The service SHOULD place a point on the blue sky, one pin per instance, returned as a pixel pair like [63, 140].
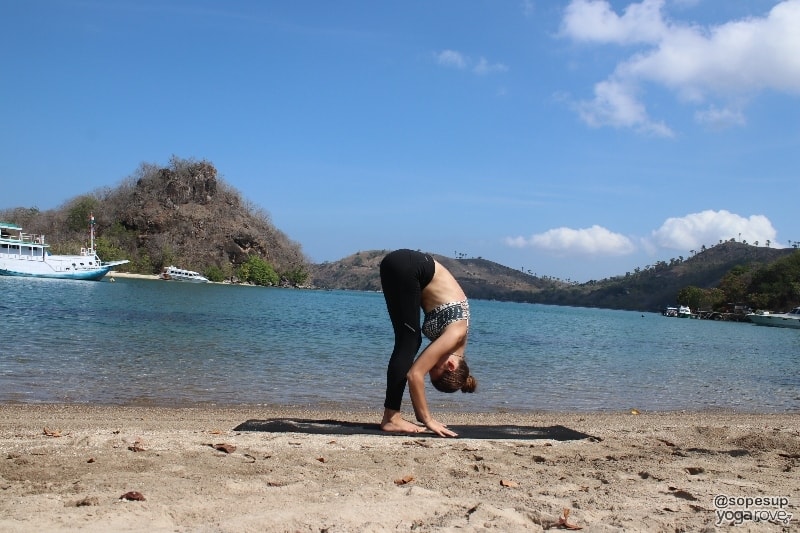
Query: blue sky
[578, 139]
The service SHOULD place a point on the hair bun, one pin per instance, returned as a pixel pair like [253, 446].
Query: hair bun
[470, 385]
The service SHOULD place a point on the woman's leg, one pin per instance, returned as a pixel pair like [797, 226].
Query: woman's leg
[401, 289]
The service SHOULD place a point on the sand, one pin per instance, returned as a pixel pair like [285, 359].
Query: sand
[115, 274]
[64, 468]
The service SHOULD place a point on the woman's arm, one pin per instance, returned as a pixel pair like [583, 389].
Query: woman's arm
[452, 339]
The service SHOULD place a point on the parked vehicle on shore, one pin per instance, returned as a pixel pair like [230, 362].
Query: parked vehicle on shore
[178, 274]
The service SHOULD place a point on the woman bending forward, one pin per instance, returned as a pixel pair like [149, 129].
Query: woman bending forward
[412, 281]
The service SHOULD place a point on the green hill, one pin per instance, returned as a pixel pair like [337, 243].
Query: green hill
[655, 287]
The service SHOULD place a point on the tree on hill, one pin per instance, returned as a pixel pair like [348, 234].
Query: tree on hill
[774, 285]
[777, 285]
[735, 283]
[701, 299]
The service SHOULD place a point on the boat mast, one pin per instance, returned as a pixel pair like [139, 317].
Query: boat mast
[91, 234]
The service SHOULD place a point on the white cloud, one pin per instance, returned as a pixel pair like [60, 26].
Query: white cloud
[690, 232]
[528, 8]
[455, 59]
[451, 58]
[728, 62]
[595, 240]
[484, 67]
[709, 227]
[615, 104]
[720, 118]
[596, 21]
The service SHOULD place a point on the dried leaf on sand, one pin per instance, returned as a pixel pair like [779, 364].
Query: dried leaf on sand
[224, 447]
[563, 523]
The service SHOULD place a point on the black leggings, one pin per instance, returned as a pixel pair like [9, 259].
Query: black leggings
[404, 273]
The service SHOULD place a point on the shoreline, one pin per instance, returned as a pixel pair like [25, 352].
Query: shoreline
[360, 410]
[115, 274]
[65, 467]
[155, 277]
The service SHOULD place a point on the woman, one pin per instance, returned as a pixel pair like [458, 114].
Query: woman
[413, 280]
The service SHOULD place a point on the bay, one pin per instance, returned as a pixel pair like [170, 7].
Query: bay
[145, 342]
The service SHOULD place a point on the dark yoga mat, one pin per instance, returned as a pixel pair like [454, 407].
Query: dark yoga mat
[339, 427]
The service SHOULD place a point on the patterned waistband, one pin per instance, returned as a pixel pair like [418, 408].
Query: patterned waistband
[441, 316]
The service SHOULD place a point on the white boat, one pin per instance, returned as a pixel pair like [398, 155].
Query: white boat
[679, 312]
[179, 274]
[25, 254]
[778, 320]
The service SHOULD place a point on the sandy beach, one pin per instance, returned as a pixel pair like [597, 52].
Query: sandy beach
[66, 468]
[114, 274]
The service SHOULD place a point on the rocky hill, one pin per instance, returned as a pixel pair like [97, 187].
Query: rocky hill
[182, 214]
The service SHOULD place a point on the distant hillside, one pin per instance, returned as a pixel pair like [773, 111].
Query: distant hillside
[657, 286]
[182, 214]
[480, 278]
[648, 289]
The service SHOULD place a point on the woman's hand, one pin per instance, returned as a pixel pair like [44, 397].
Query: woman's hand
[439, 428]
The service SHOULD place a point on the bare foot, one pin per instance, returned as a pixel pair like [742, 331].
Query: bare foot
[394, 422]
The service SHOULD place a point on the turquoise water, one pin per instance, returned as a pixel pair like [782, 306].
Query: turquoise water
[166, 343]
